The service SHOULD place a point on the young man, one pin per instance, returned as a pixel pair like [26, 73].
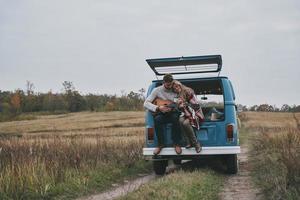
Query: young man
[164, 114]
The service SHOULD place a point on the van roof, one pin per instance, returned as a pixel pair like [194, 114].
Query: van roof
[186, 65]
[194, 79]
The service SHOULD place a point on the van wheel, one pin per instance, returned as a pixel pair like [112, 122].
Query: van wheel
[160, 166]
[177, 161]
[232, 164]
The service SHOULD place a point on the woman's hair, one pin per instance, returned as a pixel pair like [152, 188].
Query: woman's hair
[177, 83]
[185, 91]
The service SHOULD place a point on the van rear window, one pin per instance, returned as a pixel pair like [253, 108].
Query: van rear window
[210, 95]
[211, 98]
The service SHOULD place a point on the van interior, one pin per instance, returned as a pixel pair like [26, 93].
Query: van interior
[210, 96]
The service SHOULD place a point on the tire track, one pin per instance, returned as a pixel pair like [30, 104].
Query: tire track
[240, 186]
[129, 186]
[121, 190]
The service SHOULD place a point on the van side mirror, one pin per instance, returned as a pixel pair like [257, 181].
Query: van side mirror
[203, 98]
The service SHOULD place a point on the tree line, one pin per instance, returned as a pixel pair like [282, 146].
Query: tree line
[14, 103]
[269, 108]
[70, 100]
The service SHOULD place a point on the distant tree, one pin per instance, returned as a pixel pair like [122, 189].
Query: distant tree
[6, 109]
[135, 101]
[15, 103]
[142, 93]
[102, 100]
[271, 108]
[92, 102]
[29, 88]
[244, 108]
[253, 108]
[29, 103]
[275, 108]
[68, 86]
[241, 108]
[4, 98]
[54, 102]
[265, 108]
[109, 106]
[296, 109]
[285, 108]
[123, 93]
[74, 100]
[123, 102]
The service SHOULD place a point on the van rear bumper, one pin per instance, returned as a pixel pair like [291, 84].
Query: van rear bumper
[170, 152]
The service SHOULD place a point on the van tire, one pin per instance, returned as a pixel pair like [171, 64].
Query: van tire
[160, 166]
[232, 164]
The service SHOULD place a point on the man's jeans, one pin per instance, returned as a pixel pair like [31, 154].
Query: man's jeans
[163, 118]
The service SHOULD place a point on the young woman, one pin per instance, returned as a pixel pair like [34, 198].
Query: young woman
[191, 116]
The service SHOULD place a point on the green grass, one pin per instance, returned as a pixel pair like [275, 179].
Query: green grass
[183, 185]
[76, 183]
[97, 180]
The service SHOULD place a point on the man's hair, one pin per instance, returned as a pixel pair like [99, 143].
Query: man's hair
[168, 78]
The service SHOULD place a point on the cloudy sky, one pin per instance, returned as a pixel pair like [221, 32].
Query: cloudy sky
[101, 45]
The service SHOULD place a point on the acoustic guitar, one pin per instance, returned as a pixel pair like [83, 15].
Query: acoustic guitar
[167, 103]
[161, 102]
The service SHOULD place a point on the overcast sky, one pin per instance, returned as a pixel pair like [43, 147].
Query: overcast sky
[101, 45]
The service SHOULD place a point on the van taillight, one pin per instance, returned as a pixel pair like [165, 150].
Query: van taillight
[229, 130]
[150, 132]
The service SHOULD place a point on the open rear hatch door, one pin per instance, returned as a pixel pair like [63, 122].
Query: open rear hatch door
[186, 65]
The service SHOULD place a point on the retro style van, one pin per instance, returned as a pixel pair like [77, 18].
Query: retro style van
[218, 134]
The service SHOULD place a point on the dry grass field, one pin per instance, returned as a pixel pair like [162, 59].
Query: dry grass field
[74, 123]
[69, 155]
[274, 165]
[269, 120]
[275, 152]
[63, 156]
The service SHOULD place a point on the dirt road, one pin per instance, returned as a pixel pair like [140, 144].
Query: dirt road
[236, 187]
[121, 190]
[240, 186]
[128, 186]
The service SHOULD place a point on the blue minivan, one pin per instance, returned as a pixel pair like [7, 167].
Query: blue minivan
[218, 134]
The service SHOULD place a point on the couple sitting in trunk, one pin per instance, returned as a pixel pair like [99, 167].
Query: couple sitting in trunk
[184, 113]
